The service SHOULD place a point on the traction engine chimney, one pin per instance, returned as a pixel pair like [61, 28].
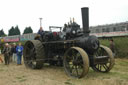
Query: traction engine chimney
[85, 20]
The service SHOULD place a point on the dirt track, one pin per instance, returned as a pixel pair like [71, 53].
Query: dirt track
[20, 75]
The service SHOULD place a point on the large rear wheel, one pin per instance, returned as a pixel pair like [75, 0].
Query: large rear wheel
[33, 54]
[76, 62]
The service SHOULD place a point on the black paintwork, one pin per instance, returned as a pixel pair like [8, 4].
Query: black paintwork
[57, 43]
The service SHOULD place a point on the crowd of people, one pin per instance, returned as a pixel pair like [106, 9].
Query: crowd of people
[12, 53]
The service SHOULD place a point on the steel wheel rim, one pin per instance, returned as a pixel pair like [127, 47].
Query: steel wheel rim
[74, 63]
[106, 66]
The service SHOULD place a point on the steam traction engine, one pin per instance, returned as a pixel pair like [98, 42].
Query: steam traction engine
[72, 48]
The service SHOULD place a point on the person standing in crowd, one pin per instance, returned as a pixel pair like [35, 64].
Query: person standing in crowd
[6, 52]
[14, 56]
[19, 52]
[112, 46]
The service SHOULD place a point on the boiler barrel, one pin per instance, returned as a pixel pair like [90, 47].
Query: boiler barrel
[90, 43]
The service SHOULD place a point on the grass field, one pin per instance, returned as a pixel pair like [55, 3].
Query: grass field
[121, 46]
[49, 75]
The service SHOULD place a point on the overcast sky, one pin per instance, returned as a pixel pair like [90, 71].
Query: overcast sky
[57, 12]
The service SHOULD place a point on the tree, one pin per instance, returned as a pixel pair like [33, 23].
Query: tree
[28, 30]
[14, 31]
[2, 34]
[11, 31]
[17, 31]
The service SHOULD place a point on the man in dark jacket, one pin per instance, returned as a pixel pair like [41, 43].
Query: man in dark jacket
[112, 46]
[6, 52]
[14, 57]
[41, 31]
[40, 34]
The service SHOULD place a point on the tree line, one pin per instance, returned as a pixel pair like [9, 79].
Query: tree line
[15, 31]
